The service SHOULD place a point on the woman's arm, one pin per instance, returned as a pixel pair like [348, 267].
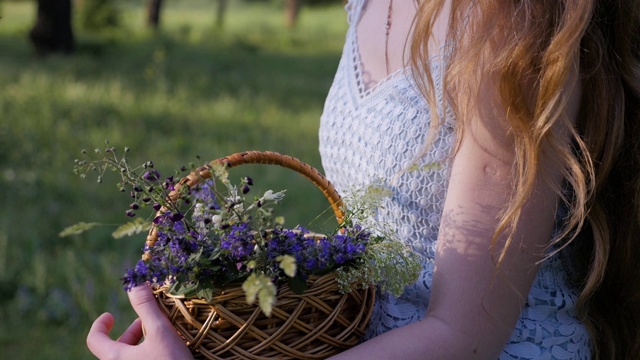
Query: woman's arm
[474, 307]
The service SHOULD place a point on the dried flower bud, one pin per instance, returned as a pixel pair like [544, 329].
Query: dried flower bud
[177, 217]
[151, 175]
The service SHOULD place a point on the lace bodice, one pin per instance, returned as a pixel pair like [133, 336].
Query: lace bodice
[375, 134]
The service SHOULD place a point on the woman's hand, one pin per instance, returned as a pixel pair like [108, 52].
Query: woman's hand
[161, 340]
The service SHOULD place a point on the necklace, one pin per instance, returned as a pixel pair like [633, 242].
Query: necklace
[386, 36]
[387, 28]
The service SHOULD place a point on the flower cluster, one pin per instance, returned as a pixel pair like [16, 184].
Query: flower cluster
[213, 234]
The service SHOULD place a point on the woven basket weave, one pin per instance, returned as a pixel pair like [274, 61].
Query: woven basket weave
[315, 325]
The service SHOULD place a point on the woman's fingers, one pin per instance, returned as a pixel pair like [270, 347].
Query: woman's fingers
[144, 303]
[133, 334]
[98, 340]
[161, 340]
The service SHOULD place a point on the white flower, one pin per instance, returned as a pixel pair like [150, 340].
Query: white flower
[269, 195]
[288, 264]
[260, 286]
[216, 219]
[198, 210]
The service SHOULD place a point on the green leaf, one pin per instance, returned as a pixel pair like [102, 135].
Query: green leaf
[131, 228]
[195, 257]
[180, 288]
[176, 288]
[297, 284]
[205, 292]
[78, 228]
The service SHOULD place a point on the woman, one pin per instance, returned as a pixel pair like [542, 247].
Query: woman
[506, 131]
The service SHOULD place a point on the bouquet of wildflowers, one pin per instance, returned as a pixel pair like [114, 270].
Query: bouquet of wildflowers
[215, 234]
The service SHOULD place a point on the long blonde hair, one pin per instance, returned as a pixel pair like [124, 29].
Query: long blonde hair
[534, 45]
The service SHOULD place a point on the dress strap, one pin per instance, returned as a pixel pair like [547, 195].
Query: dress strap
[354, 10]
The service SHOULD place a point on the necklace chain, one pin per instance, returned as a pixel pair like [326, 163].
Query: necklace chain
[387, 28]
[386, 40]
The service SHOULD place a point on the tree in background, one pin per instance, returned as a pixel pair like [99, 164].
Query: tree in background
[97, 15]
[154, 11]
[293, 10]
[52, 32]
[221, 9]
[154, 8]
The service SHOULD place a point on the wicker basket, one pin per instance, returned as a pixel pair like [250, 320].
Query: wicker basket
[315, 325]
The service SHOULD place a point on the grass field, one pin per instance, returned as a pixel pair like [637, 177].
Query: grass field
[191, 89]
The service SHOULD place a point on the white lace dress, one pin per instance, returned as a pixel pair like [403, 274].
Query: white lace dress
[372, 134]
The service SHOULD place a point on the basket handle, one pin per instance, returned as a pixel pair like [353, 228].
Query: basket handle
[256, 157]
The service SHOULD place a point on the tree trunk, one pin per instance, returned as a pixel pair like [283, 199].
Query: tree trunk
[154, 8]
[220, 11]
[52, 32]
[293, 10]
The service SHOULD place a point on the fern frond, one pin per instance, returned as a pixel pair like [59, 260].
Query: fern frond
[131, 228]
[78, 228]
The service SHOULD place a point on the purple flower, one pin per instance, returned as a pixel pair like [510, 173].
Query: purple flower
[136, 276]
[340, 259]
[179, 228]
[311, 264]
[169, 183]
[176, 249]
[176, 217]
[238, 240]
[160, 219]
[151, 175]
[205, 193]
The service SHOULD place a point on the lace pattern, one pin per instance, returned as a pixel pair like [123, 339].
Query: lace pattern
[376, 134]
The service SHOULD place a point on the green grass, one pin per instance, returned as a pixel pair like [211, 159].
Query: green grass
[191, 89]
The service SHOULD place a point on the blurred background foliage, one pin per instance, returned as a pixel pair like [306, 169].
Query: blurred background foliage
[189, 87]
